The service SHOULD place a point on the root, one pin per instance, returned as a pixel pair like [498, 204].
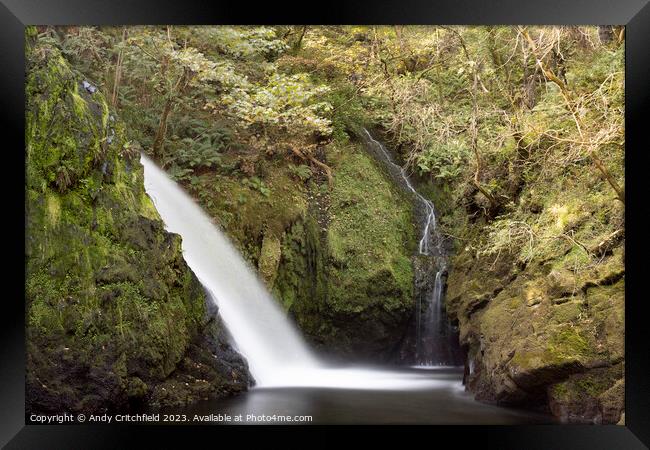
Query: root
[309, 157]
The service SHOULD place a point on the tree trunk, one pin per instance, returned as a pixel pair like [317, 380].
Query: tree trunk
[620, 193]
[474, 141]
[296, 45]
[118, 72]
[162, 129]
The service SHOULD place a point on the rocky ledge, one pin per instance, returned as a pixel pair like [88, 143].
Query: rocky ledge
[538, 336]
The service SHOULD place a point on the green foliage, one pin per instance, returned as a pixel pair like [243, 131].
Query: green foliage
[253, 110]
[302, 172]
[446, 161]
[248, 119]
[285, 102]
[237, 42]
[86, 49]
[257, 184]
[348, 112]
[201, 154]
[169, 80]
[178, 173]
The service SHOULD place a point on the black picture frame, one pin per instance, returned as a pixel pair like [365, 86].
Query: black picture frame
[15, 14]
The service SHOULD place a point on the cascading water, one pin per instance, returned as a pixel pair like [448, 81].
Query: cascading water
[434, 340]
[276, 353]
[262, 332]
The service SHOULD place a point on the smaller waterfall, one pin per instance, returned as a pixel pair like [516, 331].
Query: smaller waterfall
[429, 217]
[433, 345]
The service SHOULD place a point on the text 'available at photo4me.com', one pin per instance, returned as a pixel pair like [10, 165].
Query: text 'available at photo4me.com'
[64, 418]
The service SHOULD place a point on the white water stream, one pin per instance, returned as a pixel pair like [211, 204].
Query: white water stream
[431, 324]
[429, 228]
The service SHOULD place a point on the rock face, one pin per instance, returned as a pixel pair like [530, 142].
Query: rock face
[541, 336]
[345, 272]
[115, 318]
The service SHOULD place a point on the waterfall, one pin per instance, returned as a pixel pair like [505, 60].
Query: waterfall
[261, 330]
[432, 346]
[432, 350]
[276, 353]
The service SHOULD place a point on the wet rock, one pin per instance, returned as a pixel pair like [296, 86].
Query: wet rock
[595, 396]
[89, 87]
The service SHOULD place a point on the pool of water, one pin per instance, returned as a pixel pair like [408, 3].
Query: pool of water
[409, 396]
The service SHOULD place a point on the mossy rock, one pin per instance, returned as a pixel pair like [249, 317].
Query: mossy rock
[269, 258]
[547, 307]
[345, 273]
[112, 308]
[596, 396]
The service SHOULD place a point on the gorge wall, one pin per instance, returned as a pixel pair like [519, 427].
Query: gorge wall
[542, 318]
[115, 318]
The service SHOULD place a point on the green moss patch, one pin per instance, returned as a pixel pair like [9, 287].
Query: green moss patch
[370, 237]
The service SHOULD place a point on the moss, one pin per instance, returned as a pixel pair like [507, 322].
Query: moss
[370, 235]
[350, 259]
[53, 209]
[543, 252]
[567, 312]
[244, 211]
[560, 390]
[62, 151]
[136, 387]
[593, 386]
[301, 283]
[325, 253]
[80, 107]
[594, 396]
[269, 258]
[345, 272]
[568, 343]
[112, 308]
[147, 207]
